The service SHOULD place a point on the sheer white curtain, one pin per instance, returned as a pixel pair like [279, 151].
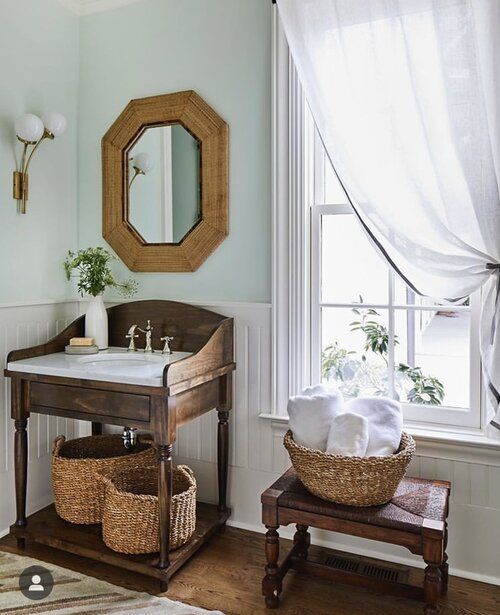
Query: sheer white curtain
[396, 90]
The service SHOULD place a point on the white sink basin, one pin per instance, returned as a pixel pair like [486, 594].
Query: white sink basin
[136, 364]
[112, 365]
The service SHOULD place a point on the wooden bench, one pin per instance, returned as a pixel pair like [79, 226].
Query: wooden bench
[415, 518]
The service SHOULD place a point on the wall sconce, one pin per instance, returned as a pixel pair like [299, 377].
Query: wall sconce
[142, 164]
[31, 131]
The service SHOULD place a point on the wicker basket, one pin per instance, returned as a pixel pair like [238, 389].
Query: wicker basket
[76, 467]
[354, 481]
[130, 522]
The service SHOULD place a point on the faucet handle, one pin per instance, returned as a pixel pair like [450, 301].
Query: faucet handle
[132, 337]
[166, 348]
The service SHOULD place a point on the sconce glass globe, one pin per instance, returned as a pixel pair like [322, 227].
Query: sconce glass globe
[143, 162]
[55, 123]
[29, 127]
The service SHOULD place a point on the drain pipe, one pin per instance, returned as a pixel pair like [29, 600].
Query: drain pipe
[129, 438]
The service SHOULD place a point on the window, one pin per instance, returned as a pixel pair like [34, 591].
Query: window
[333, 293]
[370, 333]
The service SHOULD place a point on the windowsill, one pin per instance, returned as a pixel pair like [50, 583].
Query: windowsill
[464, 446]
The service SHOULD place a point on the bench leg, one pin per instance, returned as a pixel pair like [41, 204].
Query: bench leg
[432, 588]
[302, 538]
[444, 565]
[271, 584]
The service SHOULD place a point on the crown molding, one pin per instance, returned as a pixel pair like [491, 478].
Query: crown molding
[86, 7]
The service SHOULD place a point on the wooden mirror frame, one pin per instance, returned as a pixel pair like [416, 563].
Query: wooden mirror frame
[210, 130]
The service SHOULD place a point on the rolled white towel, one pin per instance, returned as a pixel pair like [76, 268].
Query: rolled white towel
[311, 417]
[349, 435]
[321, 389]
[385, 423]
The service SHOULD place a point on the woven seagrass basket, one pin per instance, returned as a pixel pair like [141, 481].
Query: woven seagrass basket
[76, 467]
[354, 481]
[130, 522]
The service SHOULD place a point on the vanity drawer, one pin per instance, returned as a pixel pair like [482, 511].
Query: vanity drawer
[90, 402]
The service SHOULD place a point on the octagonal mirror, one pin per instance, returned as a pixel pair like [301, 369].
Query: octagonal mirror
[165, 183]
[164, 192]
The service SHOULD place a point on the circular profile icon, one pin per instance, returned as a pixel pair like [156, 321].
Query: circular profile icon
[36, 582]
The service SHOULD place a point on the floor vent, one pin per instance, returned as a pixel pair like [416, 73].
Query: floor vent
[380, 573]
[341, 563]
[370, 570]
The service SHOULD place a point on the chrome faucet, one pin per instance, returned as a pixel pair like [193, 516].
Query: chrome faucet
[149, 332]
[131, 335]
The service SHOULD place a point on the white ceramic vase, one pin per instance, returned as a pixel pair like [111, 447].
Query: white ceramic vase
[96, 322]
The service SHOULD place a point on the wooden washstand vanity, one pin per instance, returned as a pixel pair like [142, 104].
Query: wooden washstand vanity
[186, 389]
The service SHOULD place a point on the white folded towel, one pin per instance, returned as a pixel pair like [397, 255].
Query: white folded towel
[385, 423]
[311, 417]
[349, 435]
[320, 389]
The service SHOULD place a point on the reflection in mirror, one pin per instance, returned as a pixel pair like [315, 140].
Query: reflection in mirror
[164, 184]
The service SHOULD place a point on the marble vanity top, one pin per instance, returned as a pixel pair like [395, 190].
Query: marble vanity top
[111, 365]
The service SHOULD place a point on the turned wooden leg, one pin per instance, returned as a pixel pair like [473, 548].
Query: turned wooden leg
[163, 586]
[164, 500]
[96, 429]
[444, 565]
[222, 457]
[302, 538]
[432, 589]
[21, 470]
[271, 584]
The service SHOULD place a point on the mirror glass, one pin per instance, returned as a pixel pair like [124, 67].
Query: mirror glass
[164, 190]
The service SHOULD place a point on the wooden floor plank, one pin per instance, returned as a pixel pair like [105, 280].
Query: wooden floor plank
[226, 574]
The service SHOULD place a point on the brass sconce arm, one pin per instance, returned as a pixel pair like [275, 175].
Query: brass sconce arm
[136, 173]
[31, 131]
[20, 185]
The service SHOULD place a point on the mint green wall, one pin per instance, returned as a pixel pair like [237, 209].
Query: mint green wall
[221, 49]
[39, 55]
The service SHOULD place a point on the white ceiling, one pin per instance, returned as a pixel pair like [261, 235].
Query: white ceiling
[85, 7]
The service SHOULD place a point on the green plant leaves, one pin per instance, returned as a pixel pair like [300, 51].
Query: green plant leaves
[91, 268]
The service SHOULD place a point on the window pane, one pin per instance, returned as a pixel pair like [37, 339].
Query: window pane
[327, 188]
[350, 265]
[346, 360]
[439, 344]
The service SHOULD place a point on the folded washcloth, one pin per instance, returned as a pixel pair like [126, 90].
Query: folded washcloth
[311, 417]
[349, 434]
[385, 423]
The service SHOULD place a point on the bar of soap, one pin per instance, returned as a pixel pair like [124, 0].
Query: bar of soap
[81, 341]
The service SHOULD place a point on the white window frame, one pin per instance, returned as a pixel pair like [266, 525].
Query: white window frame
[415, 414]
[296, 333]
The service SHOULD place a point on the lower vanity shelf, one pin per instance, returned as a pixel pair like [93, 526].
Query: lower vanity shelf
[46, 527]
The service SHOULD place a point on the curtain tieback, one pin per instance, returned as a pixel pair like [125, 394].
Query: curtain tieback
[494, 268]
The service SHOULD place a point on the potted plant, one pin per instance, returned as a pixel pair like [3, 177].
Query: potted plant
[91, 268]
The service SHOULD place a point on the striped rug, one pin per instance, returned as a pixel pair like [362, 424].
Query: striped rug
[76, 593]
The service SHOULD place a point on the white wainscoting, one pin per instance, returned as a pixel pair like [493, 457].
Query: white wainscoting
[257, 453]
[22, 326]
[258, 457]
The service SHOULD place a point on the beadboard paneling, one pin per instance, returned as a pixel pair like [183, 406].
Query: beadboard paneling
[22, 326]
[257, 452]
